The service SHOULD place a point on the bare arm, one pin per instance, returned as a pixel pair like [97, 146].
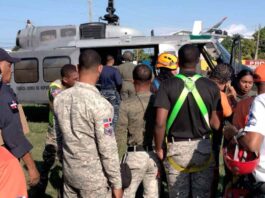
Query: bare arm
[160, 128]
[33, 172]
[215, 120]
[117, 193]
[254, 128]
[251, 141]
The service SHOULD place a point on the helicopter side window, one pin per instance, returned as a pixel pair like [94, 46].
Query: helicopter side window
[212, 51]
[68, 32]
[48, 35]
[52, 67]
[142, 55]
[26, 71]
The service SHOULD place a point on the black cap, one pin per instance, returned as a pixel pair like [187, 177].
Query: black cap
[4, 56]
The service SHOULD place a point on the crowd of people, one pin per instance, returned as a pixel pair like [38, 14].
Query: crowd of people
[172, 131]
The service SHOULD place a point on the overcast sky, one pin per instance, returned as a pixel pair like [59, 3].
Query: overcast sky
[164, 16]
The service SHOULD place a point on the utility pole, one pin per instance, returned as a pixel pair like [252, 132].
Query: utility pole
[257, 44]
[90, 11]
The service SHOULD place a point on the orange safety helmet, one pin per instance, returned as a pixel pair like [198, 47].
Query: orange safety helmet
[167, 60]
[239, 161]
[259, 75]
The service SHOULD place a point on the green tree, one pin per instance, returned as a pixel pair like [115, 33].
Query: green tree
[227, 43]
[141, 55]
[261, 53]
[247, 47]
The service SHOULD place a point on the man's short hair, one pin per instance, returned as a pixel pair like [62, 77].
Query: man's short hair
[222, 73]
[188, 55]
[89, 59]
[127, 56]
[109, 58]
[142, 73]
[67, 69]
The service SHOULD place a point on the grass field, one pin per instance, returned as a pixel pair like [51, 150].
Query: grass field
[37, 138]
[38, 123]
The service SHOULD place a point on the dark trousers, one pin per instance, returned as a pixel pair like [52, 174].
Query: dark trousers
[114, 98]
[49, 155]
[247, 182]
[257, 188]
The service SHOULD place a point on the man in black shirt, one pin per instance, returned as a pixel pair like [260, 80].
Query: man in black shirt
[188, 159]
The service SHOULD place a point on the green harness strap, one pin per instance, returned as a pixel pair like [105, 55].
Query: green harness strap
[189, 87]
[58, 85]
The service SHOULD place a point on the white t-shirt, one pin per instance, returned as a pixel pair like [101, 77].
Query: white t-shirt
[256, 123]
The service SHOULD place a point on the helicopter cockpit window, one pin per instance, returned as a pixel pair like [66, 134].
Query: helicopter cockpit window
[212, 51]
[26, 71]
[48, 35]
[52, 67]
[210, 56]
[68, 32]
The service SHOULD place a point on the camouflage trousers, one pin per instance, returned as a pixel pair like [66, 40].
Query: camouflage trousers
[71, 192]
[127, 90]
[145, 168]
[50, 150]
[188, 154]
[49, 156]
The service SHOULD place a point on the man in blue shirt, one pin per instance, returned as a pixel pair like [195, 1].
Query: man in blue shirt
[110, 85]
[10, 124]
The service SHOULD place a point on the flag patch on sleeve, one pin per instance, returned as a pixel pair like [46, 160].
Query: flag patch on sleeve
[13, 106]
[55, 92]
[108, 129]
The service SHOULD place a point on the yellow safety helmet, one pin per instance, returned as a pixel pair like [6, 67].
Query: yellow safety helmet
[167, 60]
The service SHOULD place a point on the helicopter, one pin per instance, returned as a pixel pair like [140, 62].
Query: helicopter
[43, 50]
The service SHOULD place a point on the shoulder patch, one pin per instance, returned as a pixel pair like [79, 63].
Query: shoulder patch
[55, 92]
[13, 106]
[108, 128]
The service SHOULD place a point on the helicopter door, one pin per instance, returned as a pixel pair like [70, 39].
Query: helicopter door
[142, 54]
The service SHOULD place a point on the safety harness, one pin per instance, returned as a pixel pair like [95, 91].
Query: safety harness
[189, 87]
[59, 85]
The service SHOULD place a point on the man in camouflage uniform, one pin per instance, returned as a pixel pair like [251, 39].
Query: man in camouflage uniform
[90, 155]
[136, 117]
[126, 70]
[69, 76]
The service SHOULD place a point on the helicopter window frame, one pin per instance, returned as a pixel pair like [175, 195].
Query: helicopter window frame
[207, 57]
[65, 31]
[49, 67]
[48, 35]
[35, 68]
[212, 51]
[116, 51]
